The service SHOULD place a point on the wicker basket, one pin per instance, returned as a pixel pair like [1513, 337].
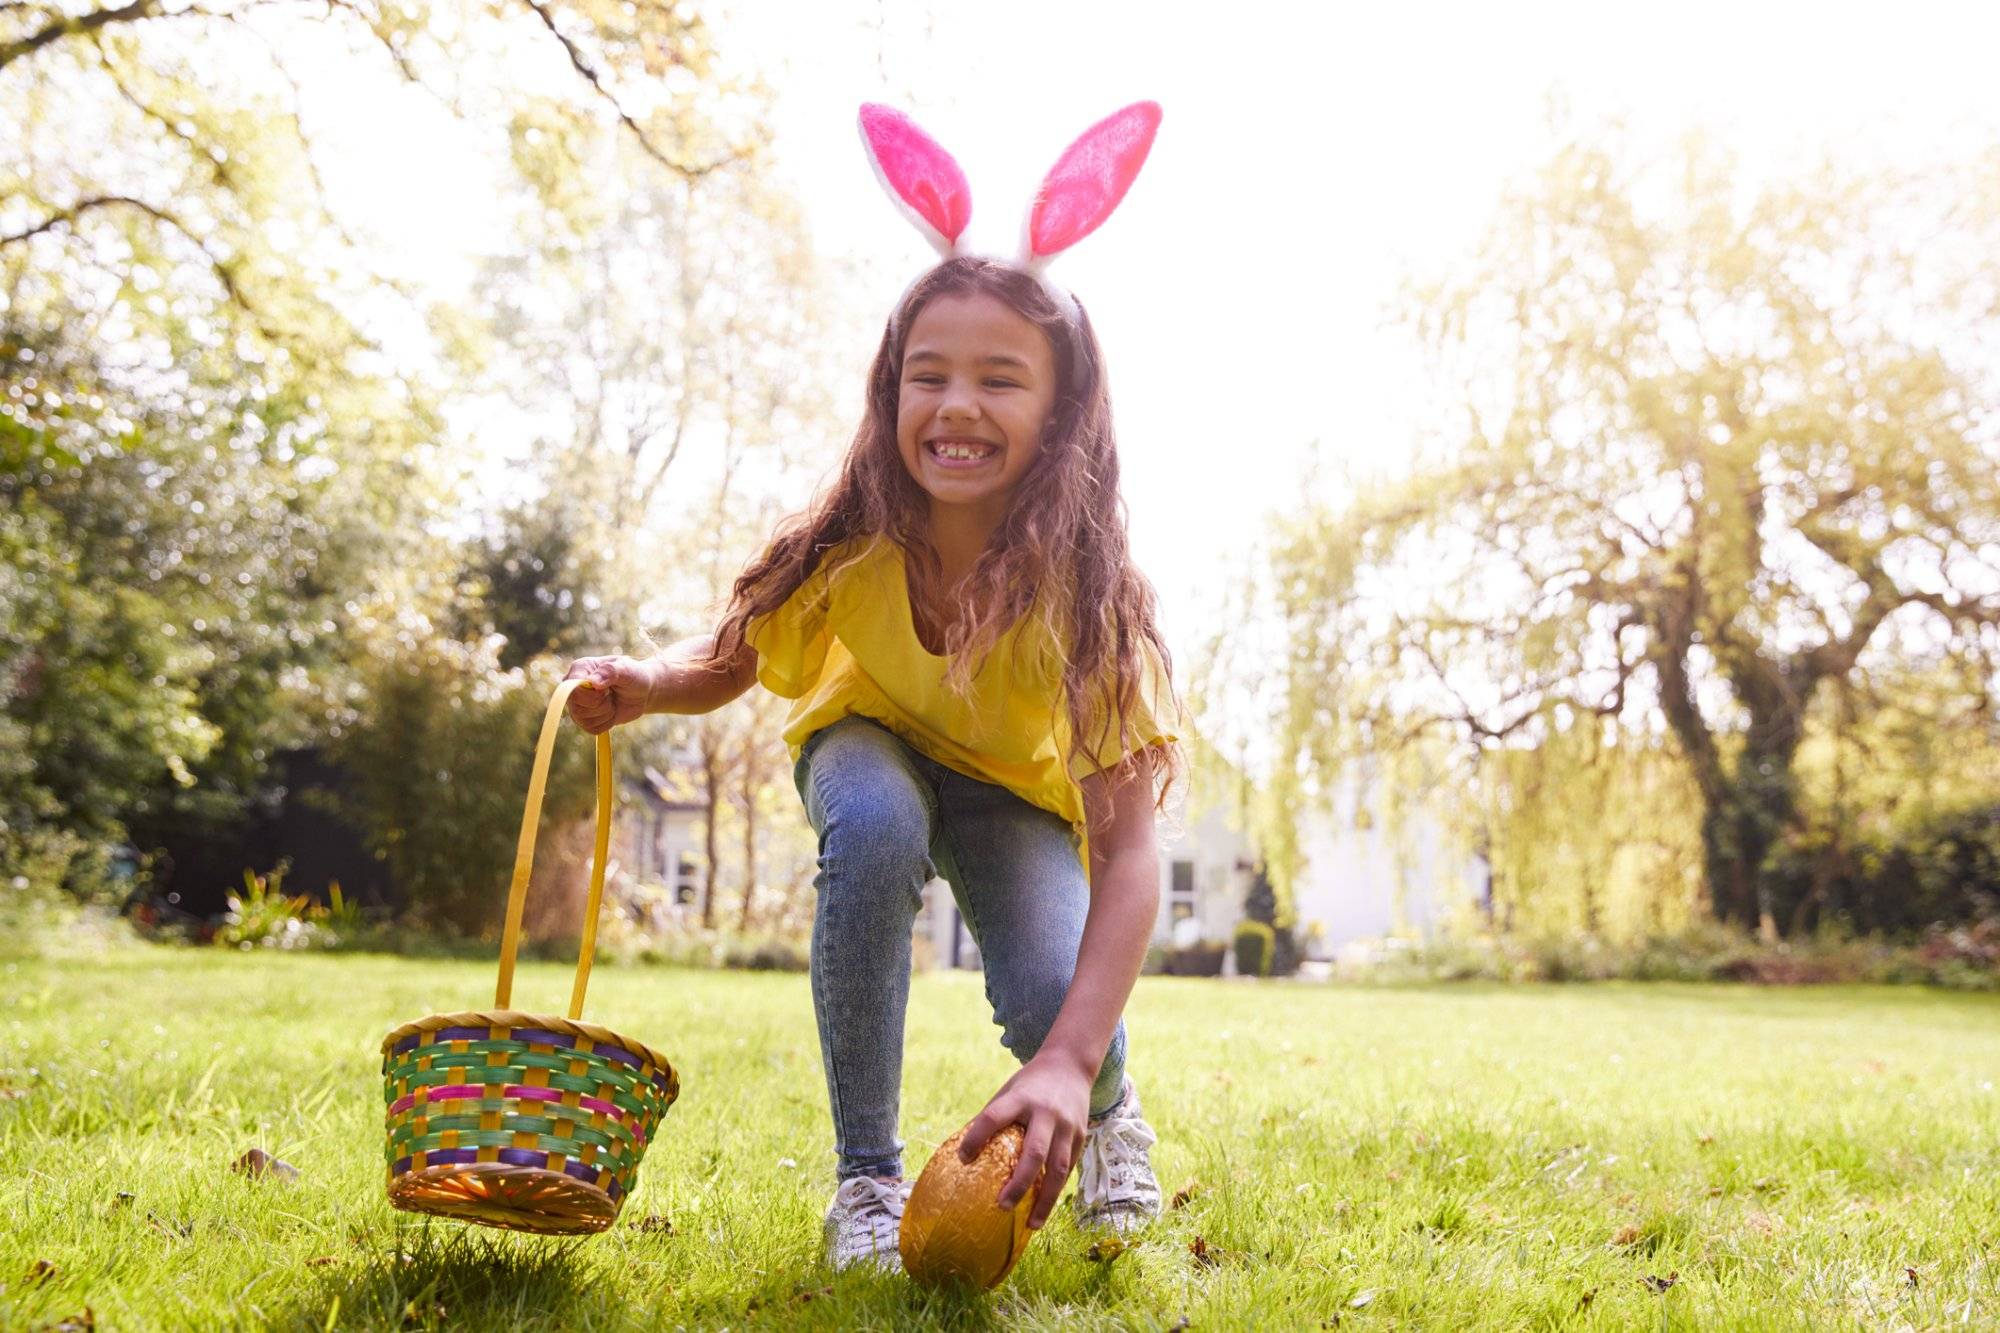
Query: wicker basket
[519, 1120]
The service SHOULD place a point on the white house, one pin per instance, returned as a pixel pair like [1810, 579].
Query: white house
[1362, 881]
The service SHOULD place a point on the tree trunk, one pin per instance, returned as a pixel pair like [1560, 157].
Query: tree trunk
[1741, 829]
[749, 834]
[711, 775]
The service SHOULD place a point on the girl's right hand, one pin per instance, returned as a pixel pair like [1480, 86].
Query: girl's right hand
[617, 691]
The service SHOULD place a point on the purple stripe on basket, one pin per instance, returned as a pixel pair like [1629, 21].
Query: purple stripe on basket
[464, 1034]
[540, 1037]
[581, 1171]
[613, 1188]
[408, 1043]
[451, 1156]
[660, 1080]
[524, 1157]
[402, 1165]
[622, 1056]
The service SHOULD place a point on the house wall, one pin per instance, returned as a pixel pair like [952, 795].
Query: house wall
[1364, 879]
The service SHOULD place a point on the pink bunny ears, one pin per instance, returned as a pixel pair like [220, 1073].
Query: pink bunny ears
[1079, 193]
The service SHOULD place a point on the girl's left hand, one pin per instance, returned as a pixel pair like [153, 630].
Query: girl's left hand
[1050, 1098]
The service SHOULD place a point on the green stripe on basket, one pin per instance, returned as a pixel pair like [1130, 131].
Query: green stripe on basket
[517, 1124]
[496, 1138]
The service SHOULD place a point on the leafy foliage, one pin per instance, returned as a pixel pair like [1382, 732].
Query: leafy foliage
[1707, 456]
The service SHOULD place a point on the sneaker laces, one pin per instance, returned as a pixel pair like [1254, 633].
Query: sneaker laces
[1115, 1169]
[872, 1208]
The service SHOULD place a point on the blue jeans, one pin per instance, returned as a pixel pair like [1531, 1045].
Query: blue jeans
[889, 820]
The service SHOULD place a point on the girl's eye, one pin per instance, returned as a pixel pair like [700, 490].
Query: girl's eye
[927, 379]
[1001, 384]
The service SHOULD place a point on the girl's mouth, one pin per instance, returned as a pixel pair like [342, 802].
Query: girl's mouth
[961, 454]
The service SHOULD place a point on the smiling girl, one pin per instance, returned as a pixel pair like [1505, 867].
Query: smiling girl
[981, 692]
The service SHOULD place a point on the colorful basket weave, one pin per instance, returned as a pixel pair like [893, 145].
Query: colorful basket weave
[522, 1120]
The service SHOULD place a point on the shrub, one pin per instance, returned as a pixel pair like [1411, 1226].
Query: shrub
[262, 916]
[1254, 944]
[440, 750]
[1196, 960]
[1940, 869]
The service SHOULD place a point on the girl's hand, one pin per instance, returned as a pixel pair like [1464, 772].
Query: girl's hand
[617, 692]
[1051, 1099]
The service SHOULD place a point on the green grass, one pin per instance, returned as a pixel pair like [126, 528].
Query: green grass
[1442, 1158]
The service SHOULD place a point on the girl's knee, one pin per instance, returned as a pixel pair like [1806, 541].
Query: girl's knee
[868, 807]
[1028, 1011]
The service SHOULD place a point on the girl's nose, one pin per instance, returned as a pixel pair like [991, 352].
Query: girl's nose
[959, 403]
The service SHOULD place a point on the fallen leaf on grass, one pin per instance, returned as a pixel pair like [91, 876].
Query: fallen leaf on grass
[1178, 1324]
[1203, 1256]
[1105, 1249]
[8, 1094]
[1660, 1284]
[1583, 1301]
[1910, 1276]
[653, 1222]
[1768, 1185]
[84, 1321]
[257, 1163]
[811, 1294]
[1185, 1193]
[41, 1271]
[1705, 1140]
[322, 1261]
[1361, 1299]
[1626, 1234]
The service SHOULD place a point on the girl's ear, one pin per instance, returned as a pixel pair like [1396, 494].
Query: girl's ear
[1089, 180]
[920, 176]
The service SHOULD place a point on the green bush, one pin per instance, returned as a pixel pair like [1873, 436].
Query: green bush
[1254, 945]
[1196, 960]
[263, 916]
[440, 751]
[1941, 869]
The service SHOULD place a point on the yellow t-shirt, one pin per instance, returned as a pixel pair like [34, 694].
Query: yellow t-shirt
[845, 643]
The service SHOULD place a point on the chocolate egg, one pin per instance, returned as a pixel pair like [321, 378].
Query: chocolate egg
[954, 1230]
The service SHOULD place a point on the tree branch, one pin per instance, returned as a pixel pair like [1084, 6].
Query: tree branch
[68, 27]
[686, 170]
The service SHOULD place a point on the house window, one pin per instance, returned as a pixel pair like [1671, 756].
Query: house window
[684, 881]
[1180, 892]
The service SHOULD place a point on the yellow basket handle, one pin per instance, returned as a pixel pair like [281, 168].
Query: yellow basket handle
[524, 856]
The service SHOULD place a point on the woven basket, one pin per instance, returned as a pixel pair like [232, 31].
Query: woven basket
[520, 1120]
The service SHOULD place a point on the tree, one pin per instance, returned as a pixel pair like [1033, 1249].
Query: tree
[1709, 453]
[207, 455]
[668, 340]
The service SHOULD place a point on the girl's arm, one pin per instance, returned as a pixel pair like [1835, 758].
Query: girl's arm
[677, 681]
[1050, 1095]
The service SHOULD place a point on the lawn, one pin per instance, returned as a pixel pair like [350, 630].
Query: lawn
[1589, 1157]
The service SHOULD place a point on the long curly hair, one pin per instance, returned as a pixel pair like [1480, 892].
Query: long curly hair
[1060, 553]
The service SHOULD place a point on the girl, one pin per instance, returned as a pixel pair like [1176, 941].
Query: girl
[981, 692]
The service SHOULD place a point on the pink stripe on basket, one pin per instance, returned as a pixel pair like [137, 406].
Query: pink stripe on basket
[477, 1092]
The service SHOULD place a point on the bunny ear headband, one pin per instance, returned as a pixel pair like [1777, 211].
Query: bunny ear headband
[1083, 188]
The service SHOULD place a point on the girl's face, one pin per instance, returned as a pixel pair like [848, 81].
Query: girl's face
[978, 383]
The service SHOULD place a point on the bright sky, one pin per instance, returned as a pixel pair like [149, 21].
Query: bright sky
[1312, 156]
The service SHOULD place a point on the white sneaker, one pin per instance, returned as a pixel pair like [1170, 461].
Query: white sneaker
[1115, 1186]
[863, 1221]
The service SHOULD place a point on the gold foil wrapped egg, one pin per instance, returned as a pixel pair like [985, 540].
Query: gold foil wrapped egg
[953, 1228]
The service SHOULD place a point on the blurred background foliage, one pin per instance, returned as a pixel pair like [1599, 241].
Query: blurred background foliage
[1686, 613]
